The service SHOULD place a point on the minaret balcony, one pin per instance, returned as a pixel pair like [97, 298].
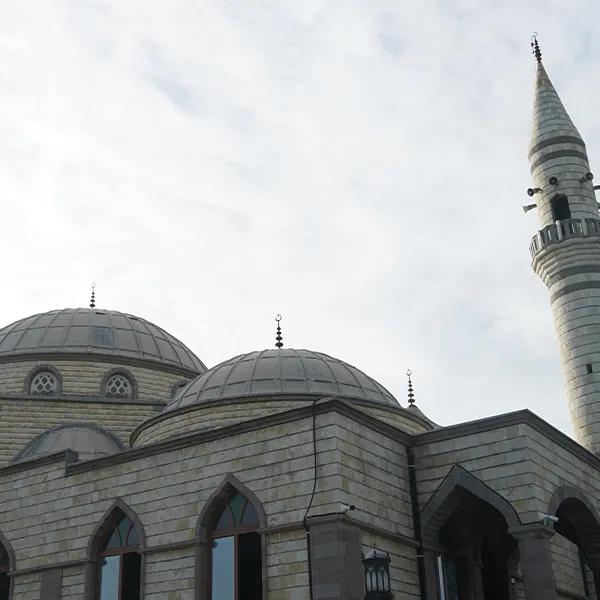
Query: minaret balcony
[563, 230]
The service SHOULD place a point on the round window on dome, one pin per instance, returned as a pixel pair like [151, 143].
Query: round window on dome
[44, 383]
[119, 386]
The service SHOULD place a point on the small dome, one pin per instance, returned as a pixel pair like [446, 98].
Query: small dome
[281, 372]
[89, 441]
[96, 332]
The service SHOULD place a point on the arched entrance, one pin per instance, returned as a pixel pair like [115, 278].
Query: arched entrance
[468, 524]
[579, 524]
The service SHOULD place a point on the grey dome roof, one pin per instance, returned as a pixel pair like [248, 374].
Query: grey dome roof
[280, 372]
[89, 441]
[98, 332]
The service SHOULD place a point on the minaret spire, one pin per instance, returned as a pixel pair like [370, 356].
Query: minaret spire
[566, 249]
[93, 297]
[536, 48]
[557, 156]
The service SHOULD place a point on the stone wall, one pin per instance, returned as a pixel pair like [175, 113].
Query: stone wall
[567, 568]
[85, 377]
[526, 463]
[220, 413]
[49, 516]
[23, 419]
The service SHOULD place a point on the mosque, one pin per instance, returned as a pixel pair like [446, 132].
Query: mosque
[130, 470]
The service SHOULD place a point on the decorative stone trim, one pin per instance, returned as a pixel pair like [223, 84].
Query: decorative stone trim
[564, 230]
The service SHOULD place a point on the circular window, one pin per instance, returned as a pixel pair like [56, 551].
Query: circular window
[44, 383]
[119, 386]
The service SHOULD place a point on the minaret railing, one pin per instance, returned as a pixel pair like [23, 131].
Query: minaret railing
[563, 230]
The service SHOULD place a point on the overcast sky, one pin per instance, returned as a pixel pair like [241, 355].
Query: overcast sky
[358, 166]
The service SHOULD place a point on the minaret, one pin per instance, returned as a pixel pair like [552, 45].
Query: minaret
[566, 250]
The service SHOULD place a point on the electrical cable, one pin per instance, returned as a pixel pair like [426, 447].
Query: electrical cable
[312, 497]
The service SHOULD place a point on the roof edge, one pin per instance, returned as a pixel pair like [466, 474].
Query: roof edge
[103, 357]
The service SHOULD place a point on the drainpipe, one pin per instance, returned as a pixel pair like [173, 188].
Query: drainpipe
[416, 512]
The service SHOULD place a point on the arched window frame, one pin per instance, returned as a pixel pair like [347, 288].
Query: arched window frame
[207, 520]
[36, 371]
[124, 373]
[11, 566]
[99, 538]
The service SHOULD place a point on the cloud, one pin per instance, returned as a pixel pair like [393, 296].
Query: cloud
[358, 167]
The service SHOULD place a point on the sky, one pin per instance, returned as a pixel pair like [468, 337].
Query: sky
[358, 167]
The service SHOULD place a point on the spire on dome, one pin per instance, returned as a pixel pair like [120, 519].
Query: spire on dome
[278, 338]
[93, 298]
[411, 394]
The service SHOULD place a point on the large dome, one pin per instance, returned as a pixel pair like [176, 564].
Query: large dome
[282, 372]
[96, 332]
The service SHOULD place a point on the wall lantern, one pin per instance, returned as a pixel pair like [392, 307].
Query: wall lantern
[377, 575]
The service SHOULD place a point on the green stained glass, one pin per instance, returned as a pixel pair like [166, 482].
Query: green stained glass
[225, 520]
[133, 539]
[123, 527]
[113, 540]
[249, 517]
[237, 505]
[124, 534]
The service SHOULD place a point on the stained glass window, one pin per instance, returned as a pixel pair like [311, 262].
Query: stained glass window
[124, 535]
[119, 561]
[238, 512]
[236, 557]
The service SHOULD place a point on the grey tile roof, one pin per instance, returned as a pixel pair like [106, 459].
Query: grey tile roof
[277, 372]
[89, 441]
[95, 331]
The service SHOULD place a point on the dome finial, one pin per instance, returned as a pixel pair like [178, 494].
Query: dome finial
[93, 298]
[411, 395]
[536, 48]
[278, 338]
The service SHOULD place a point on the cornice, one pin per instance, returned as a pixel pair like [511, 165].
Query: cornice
[308, 398]
[519, 417]
[199, 437]
[84, 399]
[98, 357]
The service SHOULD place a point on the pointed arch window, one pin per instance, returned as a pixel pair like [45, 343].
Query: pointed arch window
[119, 560]
[236, 553]
[4, 578]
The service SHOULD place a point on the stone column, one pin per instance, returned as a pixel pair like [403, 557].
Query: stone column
[336, 559]
[536, 561]
[431, 572]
